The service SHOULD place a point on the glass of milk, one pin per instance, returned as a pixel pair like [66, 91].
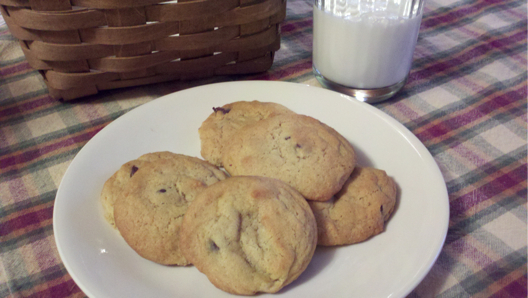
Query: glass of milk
[364, 48]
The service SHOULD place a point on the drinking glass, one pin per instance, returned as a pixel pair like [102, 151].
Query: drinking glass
[364, 48]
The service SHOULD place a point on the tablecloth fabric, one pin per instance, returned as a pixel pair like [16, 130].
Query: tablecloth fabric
[465, 99]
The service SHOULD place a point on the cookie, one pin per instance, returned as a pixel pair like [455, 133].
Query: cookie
[249, 234]
[308, 155]
[116, 184]
[150, 212]
[357, 212]
[225, 121]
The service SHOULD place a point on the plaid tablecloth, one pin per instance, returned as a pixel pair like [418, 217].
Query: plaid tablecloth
[465, 100]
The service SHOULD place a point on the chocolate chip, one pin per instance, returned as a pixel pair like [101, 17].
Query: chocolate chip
[224, 111]
[212, 246]
[134, 170]
[162, 190]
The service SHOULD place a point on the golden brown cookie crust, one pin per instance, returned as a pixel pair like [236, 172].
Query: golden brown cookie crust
[357, 212]
[149, 213]
[225, 121]
[305, 153]
[249, 234]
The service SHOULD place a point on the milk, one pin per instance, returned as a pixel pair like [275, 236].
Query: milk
[368, 50]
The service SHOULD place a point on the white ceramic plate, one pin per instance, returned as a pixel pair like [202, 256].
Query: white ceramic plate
[389, 265]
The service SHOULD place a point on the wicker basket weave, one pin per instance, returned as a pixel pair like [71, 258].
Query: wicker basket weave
[83, 46]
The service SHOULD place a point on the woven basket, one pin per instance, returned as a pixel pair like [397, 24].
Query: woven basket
[83, 46]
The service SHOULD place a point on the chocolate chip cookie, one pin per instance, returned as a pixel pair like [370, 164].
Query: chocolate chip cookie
[225, 121]
[150, 211]
[357, 212]
[116, 184]
[305, 153]
[249, 234]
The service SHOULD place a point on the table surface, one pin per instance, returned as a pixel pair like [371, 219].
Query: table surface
[465, 100]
